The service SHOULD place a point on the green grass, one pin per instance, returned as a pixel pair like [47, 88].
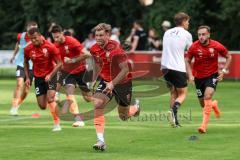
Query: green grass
[147, 137]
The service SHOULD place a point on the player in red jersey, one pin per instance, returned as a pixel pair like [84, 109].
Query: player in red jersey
[21, 91]
[112, 65]
[46, 61]
[73, 56]
[205, 72]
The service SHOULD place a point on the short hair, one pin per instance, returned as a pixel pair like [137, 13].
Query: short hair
[56, 29]
[205, 27]
[31, 24]
[33, 30]
[139, 22]
[180, 17]
[103, 26]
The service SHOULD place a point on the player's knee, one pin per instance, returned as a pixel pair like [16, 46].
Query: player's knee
[50, 99]
[98, 104]
[87, 98]
[42, 107]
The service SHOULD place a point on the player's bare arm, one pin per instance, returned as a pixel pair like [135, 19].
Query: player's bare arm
[225, 68]
[189, 69]
[86, 54]
[26, 70]
[121, 75]
[54, 71]
[15, 52]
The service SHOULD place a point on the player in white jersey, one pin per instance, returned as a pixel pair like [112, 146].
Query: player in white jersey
[175, 42]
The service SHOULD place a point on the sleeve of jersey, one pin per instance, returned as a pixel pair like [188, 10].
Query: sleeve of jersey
[190, 52]
[18, 37]
[222, 50]
[119, 58]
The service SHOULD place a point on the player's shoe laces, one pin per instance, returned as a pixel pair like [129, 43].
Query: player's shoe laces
[100, 146]
[14, 111]
[216, 110]
[56, 128]
[137, 104]
[78, 124]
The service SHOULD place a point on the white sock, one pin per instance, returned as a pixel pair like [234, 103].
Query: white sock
[100, 137]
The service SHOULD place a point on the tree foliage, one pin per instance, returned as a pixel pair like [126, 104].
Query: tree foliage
[223, 16]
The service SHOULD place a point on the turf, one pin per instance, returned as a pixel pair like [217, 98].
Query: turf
[146, 137]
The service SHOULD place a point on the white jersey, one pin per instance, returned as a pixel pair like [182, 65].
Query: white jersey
[175, 42]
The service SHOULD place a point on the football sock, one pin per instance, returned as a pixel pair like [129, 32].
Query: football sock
[206, 113]
[15, 102]
[54, 111]
[99, 122]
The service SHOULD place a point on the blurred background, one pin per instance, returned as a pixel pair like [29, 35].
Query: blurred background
[223, 16]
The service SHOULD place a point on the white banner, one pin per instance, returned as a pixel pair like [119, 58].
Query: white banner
[5, 56]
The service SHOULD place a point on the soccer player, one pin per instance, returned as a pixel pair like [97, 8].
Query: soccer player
[175, 42]
[115, 81]
[21, 91]
[205, 72]
[46, 61]
[73, 55]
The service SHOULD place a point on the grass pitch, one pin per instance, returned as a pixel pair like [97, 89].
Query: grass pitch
[146, 137]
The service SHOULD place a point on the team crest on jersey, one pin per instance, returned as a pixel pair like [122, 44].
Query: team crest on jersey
[45, 52]
[211, 50]
[66, 49]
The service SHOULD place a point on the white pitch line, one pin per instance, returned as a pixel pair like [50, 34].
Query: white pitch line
[14, 119]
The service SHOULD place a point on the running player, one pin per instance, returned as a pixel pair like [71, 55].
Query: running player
[73, 56]
[205, 72]
[46, 61]
[175, 42]
[115, 81]
[21, 91]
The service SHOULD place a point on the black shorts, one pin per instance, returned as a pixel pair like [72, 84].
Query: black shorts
[202, 83]
[175, 78]
[74, 79]
[41, 87]
[121, 92]
[61, 75]
[21, 74]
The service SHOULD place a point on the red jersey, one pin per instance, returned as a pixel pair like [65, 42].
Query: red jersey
[109, 59]
[43, 58]
[71, 48]
[27, 39]
[206, 57]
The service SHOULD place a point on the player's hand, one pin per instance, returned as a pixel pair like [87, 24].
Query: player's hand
[27, 82]
[220, 75]
[48, 78]
[67, 60]
[12, 59]
[109, 88]
[191, 79]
